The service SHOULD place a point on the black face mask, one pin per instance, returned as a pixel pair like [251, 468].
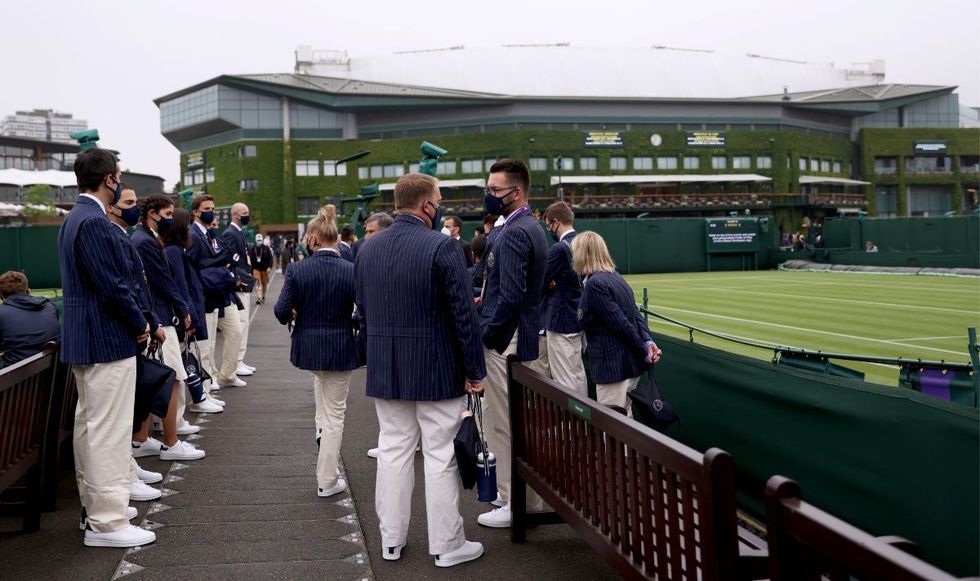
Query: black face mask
[212, 233]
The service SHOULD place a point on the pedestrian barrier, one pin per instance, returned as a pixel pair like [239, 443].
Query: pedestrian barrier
[25, 399]
[806, 543]
[652, 507]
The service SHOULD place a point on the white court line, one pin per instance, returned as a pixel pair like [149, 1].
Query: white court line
[975, 291]
[927, 338]
[854, 301]
[750, 321]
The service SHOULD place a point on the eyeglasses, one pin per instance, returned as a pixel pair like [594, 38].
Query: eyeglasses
[494, 191]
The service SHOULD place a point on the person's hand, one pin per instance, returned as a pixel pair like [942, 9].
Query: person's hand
[191, 331]
[142, 337]
[551, 284]
[187, 321]
[653, 354]
[292, 312]
[159, 336]
[477, 301]
[474, 386]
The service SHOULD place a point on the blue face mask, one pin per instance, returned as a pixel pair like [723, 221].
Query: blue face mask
[130, 215]
[437, 218]
[245, 220]
[212, 233]
[117, 193]
[207, 217]
[495, 205]
[554, 235]
[164, 225]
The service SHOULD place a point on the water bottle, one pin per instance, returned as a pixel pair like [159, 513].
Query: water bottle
[486, 477]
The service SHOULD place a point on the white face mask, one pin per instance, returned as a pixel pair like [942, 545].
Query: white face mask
[445, 231]
[267, 242]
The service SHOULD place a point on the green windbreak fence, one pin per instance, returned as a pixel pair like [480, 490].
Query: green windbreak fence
[888, 460]
[952, 242]
[34, 251]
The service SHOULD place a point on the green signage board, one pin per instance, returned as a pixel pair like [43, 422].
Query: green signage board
[732, 235]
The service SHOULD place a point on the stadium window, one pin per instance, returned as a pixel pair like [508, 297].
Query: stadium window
[248, 185]
[692, 162]
[472, 166]
[362, 172]
[307, 167]
[377, 171]
[837, 167]
[763, 162]
[246, 151]
[719, 162]
[802, 164]
[198, 177]
[307, 206]
[413, 168]
[814, 164]
[825, 165]
[886, 201]
[587, 163]
[666, 163]
[642, 163]
[488, 163]
[394, 170]
[188, 178]
[209, 175]
[567, 163]
[538, 164]
[446, 168]
[886, 165]
[330, 168]
[617, 163]
[741, 162]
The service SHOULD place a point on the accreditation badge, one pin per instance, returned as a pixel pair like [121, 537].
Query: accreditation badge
[581, 314]
[491, 260]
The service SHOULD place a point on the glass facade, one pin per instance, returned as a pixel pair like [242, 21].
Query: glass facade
[921, 165]
[929, 200]
[617, 163]
[886, 198]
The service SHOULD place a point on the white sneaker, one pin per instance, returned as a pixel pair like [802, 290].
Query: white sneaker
[469, 551]
[206, 406]
[212, 385]
[83, 522]
[247, 366]
[142, 492]
[392, 553]
[498, 501]
[498, 518]
[237, 382]
[148, 477]
[151, 447]
[187, 429]
[243, 371]
[128, 536]
[181, 451]
[335, 489]
[373, 453]
[214, 400]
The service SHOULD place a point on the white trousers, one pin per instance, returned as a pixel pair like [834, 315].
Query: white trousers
[496, 422]
[231, 333]
[246, 299]
[330, 389]
[103, 430]
[615, 393]
[402, 423]
[560, 358]
[207, 346]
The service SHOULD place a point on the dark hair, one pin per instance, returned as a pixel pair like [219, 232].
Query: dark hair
[12, 282]
[382, 219]
[198, 200]
[489, 219]
[92, 166]
[457, 223]
[516, 170]
[478, 246]
[126, 186]
[180, 233]
[560, 211]
[346, 233]
[154, 203]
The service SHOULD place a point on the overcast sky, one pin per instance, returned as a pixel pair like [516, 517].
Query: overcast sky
[106, 60]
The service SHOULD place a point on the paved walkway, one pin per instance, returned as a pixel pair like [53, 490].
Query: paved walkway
[249, 510]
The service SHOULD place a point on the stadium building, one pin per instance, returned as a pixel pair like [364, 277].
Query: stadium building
[616, 132]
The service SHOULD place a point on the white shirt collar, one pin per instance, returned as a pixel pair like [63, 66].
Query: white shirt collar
[334, 250]
[120, 227]
[202, 228]
[90, 196]
[514, 213]
[566, 234]
[239, 228]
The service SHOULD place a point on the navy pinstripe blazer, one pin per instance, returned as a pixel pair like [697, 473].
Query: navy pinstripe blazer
[514, 281]
[164, 293]
[136, 278]
[321, 289]
[615, 332]
[234, 238]
[101, 318]
[559, 307]
[189, 285]
[416, 312]
[345, 252]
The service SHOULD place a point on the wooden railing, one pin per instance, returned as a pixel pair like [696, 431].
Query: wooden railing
[651, 506]
[806, 543]
[25, 399]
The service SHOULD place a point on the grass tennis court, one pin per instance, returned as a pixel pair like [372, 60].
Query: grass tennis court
[869, 314]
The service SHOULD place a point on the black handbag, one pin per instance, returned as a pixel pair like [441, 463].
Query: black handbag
[154, 384]
[246, 282]
[469, 442]
[196, 375]
[649, 406]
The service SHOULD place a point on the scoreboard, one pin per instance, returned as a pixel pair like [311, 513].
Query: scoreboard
[732, 235]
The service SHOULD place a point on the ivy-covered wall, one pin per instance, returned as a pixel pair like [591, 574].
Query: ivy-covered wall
[275, 200]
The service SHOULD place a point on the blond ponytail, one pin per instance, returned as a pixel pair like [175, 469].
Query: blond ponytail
[324, 227]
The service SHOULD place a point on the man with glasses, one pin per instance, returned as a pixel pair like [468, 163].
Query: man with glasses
[509, 316]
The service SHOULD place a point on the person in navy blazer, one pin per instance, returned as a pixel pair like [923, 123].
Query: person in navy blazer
[102, 327]
[509, 312]
[619, 344]
[561, 342]
[318, 297]
[234, 239]
[422, 343]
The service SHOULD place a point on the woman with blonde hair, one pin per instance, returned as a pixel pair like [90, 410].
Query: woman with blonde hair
[318, 297]
[619, 344]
